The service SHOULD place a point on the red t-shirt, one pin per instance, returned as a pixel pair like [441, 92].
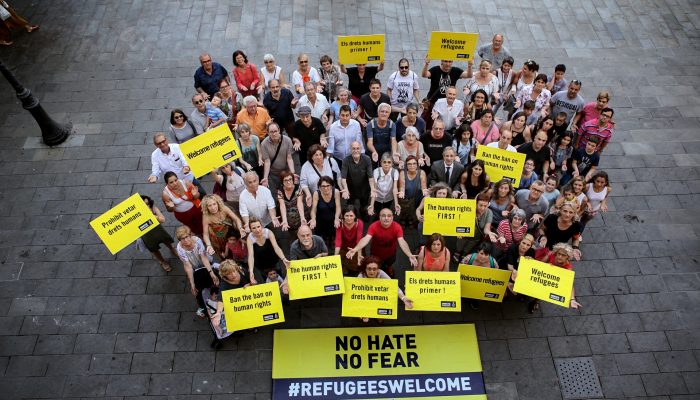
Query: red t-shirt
[384, 240]
[550, 260]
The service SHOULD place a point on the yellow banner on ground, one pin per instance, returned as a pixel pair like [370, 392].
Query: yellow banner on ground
[544, 281]
[501, 163]
[361, 49]
[315, 277]
[124, 223]
[449, 217]
[417, 362]
[252, 306]
[457, 46]
[370, 298]
[483, 283]
[433, 291]
[210, 150]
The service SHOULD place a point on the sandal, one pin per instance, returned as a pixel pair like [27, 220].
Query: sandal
[4, 43]
[166, 266]
[31, 28]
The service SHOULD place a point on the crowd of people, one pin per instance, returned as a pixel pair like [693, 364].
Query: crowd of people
[337, 163]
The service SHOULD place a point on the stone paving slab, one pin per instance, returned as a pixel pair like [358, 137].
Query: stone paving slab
[78, 322]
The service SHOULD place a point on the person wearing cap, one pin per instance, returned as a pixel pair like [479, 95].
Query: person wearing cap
[308, 130]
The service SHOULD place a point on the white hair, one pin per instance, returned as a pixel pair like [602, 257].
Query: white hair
[249, 99]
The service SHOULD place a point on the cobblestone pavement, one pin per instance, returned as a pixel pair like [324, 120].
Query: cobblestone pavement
[77, 322]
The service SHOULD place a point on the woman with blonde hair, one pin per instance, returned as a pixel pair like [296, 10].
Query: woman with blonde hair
[217, 219]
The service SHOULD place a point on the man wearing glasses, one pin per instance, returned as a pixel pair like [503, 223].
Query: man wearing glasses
[533, 203]
[402, 88]
[208, 76]
[168, 157]
[199, 114]
[568, 101]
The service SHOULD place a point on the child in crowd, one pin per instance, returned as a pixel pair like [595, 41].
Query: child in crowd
[567, 197]
[562, 149]
[550, 190]
[529, 175]
[584, 162]
[215, 116]
[557, 83]
[235, 249]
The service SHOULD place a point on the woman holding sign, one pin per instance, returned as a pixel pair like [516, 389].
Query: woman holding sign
[370, 268]
[181, 197]
[560, 256]
[217, 220]
[347, 236]
[482, 227]
[434, 256]
[263, 251]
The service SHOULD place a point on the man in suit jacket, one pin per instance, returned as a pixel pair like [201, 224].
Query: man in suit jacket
[449, 165]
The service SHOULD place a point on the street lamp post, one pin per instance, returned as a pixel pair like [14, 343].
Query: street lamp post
[52, 132]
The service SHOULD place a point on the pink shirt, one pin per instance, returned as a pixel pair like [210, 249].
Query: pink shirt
[485, 136]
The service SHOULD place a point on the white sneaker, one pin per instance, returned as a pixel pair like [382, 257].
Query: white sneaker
[201, 312]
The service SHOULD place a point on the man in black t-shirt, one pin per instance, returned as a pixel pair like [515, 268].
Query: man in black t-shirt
[308, 131]
[539, 152]
[442, 77]
[434, 143]
[359, 78]
[369, 103]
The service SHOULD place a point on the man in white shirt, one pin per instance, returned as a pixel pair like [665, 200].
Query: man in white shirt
[168, 157]
[342, 133]
[503, 142]
[257, 201]
[320, 108]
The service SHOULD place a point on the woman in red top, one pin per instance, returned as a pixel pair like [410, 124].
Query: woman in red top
[245, 73]
[347, 236]
[434, 258]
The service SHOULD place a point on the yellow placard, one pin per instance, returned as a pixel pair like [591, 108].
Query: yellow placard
[483, 283]
[457, 46]
[210, 150]
[434, 291]
[124, 223]
[449, 217]
[370, 298]
[417, 362]
[252, 306]
[361, 49]
[544, 281]
[501, 163]
[315, 277]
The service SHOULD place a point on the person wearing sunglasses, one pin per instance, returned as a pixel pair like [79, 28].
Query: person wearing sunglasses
[304, 73]
[181, 128]
[208, 76]
[402, 88]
